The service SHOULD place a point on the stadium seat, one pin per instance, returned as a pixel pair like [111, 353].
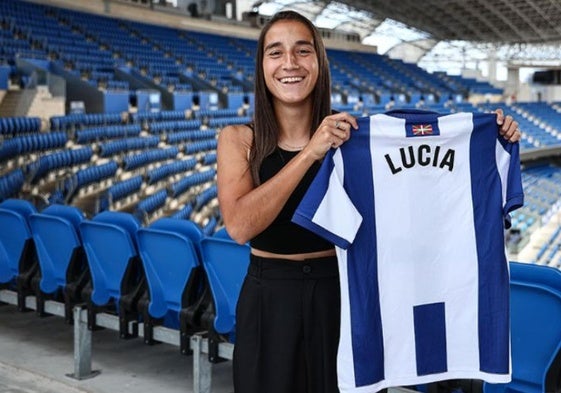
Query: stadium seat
[62, 263]
[18, 262]
[222, 233]
[225, 263]
[535, 330]
[117, 276]
[170, 252]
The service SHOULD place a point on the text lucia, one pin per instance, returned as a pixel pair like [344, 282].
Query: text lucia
[423, 155]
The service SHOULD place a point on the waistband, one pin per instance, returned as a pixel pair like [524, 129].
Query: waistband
[284, 269]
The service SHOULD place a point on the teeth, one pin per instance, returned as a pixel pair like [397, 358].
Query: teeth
[291, 79]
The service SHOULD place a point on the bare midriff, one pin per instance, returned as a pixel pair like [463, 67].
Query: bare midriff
[294, 257]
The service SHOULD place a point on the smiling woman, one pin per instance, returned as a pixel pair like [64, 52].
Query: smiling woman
[287, 327]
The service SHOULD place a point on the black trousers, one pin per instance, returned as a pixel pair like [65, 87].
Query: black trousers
[287, 327]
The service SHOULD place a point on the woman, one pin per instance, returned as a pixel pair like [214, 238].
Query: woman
[289, 307]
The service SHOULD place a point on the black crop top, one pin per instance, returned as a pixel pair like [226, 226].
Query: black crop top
[283, 236]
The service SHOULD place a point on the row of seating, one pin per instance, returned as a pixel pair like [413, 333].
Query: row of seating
[111, 148]
[89, 135]
[30, 143]
[68, 122]
[146, 157]
[174, 125]
[17, 125]
[149, 117]
[169, 273]
[90, 175]
[11, 183]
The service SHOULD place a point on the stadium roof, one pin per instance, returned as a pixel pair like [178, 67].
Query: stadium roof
[499, 21]
[503, 21]
[431, 32]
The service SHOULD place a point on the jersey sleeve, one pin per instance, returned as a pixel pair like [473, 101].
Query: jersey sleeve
[326, 208]
[508, 163]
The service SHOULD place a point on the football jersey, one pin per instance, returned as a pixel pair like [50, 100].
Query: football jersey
[416, 203]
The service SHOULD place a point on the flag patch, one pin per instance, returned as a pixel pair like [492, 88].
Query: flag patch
[422, 129]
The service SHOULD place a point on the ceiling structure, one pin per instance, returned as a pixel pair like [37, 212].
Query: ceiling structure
[502, 21]
[520, 32]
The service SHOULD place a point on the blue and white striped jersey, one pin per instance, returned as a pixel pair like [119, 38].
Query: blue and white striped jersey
[416, 203]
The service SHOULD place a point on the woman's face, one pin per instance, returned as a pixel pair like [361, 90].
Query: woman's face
[290, 62]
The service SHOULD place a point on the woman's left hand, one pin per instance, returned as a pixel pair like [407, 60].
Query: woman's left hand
[508, 127]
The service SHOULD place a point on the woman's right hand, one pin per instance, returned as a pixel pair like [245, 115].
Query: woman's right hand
[333, 131]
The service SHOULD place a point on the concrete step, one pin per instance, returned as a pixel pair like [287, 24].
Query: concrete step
[17, 102]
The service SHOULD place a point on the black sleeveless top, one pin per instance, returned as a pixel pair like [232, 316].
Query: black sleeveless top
[283, 236]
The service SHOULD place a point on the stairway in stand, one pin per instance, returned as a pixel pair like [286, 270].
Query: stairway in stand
[16, 102]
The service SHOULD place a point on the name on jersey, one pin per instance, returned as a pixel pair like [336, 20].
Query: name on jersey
[423, 155]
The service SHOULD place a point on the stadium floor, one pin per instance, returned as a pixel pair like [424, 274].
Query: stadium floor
[36, 354]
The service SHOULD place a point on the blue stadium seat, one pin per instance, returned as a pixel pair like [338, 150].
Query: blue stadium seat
[117, 276]
[222, 233]
[14, 214]
[18, 263]
[535, 330]
[225, 263]
[170, 252]
[169, 258]
[64, 271]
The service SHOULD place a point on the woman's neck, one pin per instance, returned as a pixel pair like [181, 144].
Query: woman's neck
[294, 123]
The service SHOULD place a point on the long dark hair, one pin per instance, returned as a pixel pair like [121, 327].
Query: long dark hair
[266, 130]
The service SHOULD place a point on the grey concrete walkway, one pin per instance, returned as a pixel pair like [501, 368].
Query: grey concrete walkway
[36, 354]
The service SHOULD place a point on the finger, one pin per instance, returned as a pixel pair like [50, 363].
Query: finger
[515, 135]
[508, 126]
[500, 116]
[345, 117]
[343, 132]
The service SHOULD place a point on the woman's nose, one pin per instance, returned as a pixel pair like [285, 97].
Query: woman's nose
[290, 62]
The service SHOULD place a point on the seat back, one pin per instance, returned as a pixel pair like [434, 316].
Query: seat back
[15, 233]
[56, 237]
[110, 244]
[535, 328]
[184, 226]
[169, 250]
[222, 233]
[225, 263]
